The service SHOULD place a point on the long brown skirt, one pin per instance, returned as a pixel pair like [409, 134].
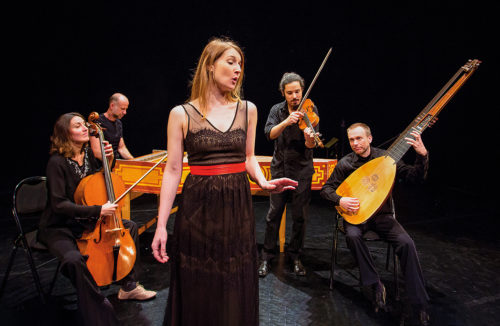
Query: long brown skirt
[213, 254]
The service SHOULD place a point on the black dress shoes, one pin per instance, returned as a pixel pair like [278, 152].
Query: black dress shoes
[298, 268]
[264, 268]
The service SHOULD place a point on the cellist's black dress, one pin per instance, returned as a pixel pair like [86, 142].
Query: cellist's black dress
[213, 251]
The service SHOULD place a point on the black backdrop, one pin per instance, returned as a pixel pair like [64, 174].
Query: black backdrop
[388, 61]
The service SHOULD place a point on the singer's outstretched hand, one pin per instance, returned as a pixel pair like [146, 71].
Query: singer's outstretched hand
[279, 185]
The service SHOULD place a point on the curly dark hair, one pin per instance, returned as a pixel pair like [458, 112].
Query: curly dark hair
[290, 77]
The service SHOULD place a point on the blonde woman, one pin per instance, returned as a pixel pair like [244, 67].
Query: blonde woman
[213, 251]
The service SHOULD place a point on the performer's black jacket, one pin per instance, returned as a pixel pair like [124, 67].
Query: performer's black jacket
[63, 178]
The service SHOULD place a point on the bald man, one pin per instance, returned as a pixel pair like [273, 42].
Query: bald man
[113, 129]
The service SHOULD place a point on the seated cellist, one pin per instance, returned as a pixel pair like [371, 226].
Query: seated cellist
[63, 221]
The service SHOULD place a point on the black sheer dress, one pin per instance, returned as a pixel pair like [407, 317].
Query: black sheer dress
[213, 251]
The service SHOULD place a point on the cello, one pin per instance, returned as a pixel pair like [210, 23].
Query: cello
[372, 182]
[109, 247]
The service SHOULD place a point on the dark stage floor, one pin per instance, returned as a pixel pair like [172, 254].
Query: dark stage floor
[458, 247]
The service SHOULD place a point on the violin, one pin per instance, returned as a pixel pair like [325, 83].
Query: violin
[308, 110]
[310, 119]
[109, 247]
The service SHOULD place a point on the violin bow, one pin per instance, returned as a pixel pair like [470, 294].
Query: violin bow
[306, 95]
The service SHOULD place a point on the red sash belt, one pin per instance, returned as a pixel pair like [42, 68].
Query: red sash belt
[217, 169]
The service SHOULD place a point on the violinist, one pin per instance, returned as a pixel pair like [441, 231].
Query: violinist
[63, 221]
[292, 158]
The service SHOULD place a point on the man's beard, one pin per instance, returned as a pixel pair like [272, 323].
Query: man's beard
[295, 106]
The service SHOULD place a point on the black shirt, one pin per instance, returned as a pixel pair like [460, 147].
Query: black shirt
[349, 163]
[112, 131]
[291, 157]
[63, 177]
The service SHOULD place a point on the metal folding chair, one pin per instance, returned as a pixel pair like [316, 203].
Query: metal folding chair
[367, 236]
[29, 200]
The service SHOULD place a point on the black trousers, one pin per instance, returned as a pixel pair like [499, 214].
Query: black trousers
[95, 309]
[389, 229]
[300, 200]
